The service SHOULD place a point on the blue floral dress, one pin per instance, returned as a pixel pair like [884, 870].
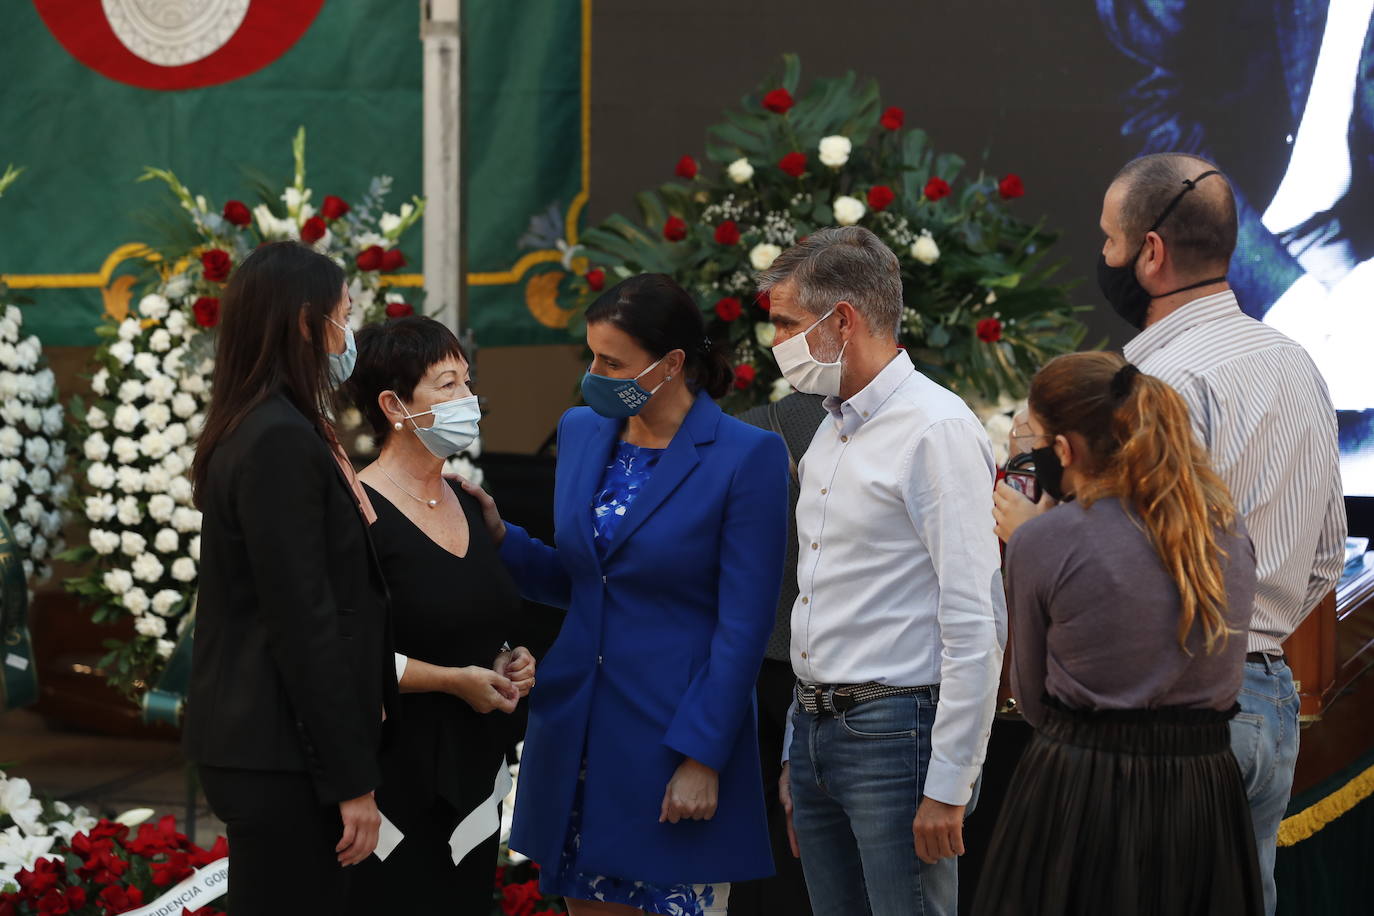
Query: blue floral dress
[629, 470]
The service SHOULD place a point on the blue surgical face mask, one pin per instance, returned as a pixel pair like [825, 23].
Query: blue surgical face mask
[454, 427]
[618, 398]
[341, 364]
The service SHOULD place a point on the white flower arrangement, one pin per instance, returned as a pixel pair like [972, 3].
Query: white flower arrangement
[28, 831]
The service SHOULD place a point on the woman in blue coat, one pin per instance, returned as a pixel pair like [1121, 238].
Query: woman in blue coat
[639, 786]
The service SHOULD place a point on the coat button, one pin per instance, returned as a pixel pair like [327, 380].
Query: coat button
[598, 661]
[603, 580]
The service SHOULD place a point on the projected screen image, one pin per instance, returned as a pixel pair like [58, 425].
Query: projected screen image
[1280, 95]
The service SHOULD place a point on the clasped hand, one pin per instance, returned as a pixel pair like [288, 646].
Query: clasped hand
[691, 793]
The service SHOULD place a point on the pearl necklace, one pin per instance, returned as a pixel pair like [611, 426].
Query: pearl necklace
[432, 503]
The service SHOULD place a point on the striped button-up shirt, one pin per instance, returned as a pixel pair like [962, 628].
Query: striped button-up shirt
[1262, 409]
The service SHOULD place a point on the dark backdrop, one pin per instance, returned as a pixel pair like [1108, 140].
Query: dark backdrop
[1034, 86]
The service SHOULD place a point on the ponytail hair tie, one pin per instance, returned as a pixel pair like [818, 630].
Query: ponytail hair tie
[706, 346]
[1123, 381]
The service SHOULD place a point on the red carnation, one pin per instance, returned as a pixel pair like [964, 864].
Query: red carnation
[177, 867]
[120, 899]
[936, 189]
[216, 264]
[729, 308]
[675, 230]
[206, 311]
[103, 868]
[880, 196]
[1011, 187]
[203, 857]
[43, 877]
[76, 897]
[687, 168]
[313, 230]
[596, 280]
[519, 899]
[370, 258]
[237, 213]
[989, 330]
[392, 259]
[744, 376]
[793, 164]
[398, 310]
[53, 903]
[893, 118]
[778, 101]
[334, 207]
[108, 829]
[727, 233]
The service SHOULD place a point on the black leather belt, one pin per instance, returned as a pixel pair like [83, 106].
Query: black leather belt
[1261, 657]
[834, 699]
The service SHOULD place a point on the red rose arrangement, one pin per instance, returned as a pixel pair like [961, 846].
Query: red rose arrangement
[596, 280]
[236, 213]
[333, 207]
[893, 118]
[880, 197]
[989, 330]
[216, 265]
[729, 309]
[206, 311]
[1011, 187]
[937, 189]
[727, 233]
[686, 168]
[778, 101]
[744, 376]
[675, 229]
[517, 892]
[313, 230]
[399, 310]
[794, 164]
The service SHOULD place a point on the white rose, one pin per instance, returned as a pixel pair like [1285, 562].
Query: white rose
[160, 388]
[150, 626]
[100, 476]
[740, 171]
[136, 600]
[104, 542]
[186, 520]
[835, 150]
[781, 389]
[128, 511]
[166, 541]
[156, 416]
[146, 363]
[193, 549]
[153, 306]
[176, 324]
[130, 479]
[184, 570]
[183, 405]
[131, 543]
[155, 445]
[765, 333]
[924, 249]
[147, 568]
[161, 507]
[117, 581]
[96, 418]
[848, 210]
[125, 450]
[11, 442]
[126, 418]
[165, 648]
[123, 351]
[763, 255]
[181, 490]
[161, 341]
[129, 328]
[156, 480]
[165, 601]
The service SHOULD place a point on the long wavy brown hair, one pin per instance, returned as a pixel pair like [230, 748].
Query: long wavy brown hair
[1142, 450]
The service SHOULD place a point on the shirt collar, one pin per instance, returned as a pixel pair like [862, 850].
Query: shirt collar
[1162, 333]
[851, 414]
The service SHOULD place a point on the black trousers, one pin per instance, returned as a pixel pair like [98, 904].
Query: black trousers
[785, 892]
[281, 843]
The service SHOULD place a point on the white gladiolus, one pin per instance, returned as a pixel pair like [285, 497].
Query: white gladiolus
[166, 541]
[151, 626]
[184, 570]
[924, 249]
[104, 542]
[136, 600]
[165, 648]
[848, 210]
[128, 511]
[161, 507]
[117, 581]
[763, 255]
[11, 442]
[740, 171]
[165, 601]
[95, 447]
[835, 150]
[131, 543]
[129, 328]
[147, 568]
[183, 405]
[100, 476]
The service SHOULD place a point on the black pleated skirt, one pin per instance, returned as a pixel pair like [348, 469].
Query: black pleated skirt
[1135, 812]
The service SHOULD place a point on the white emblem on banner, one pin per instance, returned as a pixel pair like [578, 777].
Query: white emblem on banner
[171, 33]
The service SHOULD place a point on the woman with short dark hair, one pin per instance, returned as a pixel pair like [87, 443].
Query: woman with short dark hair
[454, 607]
[292, 661]
[639, 787]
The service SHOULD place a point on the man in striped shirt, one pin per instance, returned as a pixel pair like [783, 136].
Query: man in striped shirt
[1260, 406]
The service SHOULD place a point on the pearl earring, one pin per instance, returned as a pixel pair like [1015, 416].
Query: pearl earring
[399, 425]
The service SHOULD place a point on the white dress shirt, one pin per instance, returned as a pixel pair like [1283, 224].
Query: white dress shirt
[1260, 406]
[898, 568]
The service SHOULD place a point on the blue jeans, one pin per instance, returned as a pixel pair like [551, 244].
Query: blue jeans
[1264, 738]
[856, 782]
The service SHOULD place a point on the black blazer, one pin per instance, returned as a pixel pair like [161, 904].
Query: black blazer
[292, 662]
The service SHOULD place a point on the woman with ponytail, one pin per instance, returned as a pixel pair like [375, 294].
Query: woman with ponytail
[640, 787]
[1129, 603]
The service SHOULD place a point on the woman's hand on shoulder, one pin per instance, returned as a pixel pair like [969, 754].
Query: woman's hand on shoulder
[484, 690]
[491, 516]
[691, 793]
[518, 666]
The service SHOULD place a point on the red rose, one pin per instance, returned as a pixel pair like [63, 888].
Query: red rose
[237, 213]
[893, 118]
[880, 196]
[177, 867]
[120, 899]
[764, 302]
[596, 280]
[744, 376]
[103, 868]
[392, 259]
[729, 308]
[108, 829]
[675, 230]
[370, 258]
[313, 230]
[727, 233]
[216, 265]
[334, 207]
[989, 330]
[778, 101]
[687, 168]
[1011, 187]
[43, 877]
[203, 857]
[398, 310]
[936, 188]
[793, 164]
[85, 847]
[206, 311]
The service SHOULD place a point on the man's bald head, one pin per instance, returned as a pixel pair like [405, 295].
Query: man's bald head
[1200, 232]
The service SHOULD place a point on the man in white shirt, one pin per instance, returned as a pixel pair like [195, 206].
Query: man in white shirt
[898, 628]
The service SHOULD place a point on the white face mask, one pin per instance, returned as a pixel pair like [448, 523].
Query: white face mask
[802, 370]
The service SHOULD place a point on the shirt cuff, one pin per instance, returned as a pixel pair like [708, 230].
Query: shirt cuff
[401, 662]
[950, 784]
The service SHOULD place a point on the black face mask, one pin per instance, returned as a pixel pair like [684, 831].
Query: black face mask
[1120, 286]
[1049, 472]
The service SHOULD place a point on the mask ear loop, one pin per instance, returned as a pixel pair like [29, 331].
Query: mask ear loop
[398, 425]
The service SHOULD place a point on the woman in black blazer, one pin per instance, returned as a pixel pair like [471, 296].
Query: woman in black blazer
[292, 663]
